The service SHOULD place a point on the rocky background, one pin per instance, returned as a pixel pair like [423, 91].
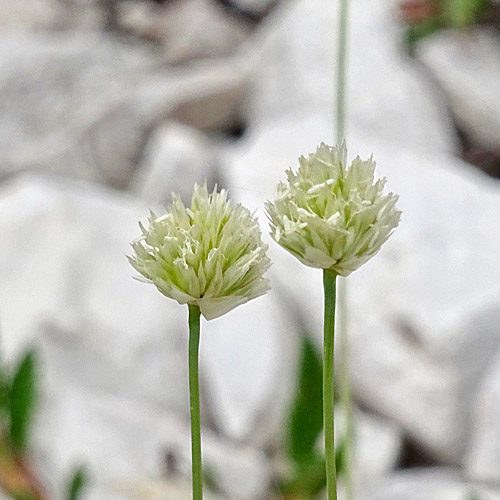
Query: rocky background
[106, 107]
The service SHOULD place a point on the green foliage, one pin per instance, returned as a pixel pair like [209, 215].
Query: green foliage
[22, 399]
[305, 425]
[309, 478]
[473, 496]
[77, 484]
[462, 13]
[307, 482]
[454, 14]
[306, 416]
[4, 393]
[423, 29]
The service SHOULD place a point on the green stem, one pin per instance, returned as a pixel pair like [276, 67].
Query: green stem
[194, 399]
[329, 284]
[345, 388]
[342, 69]
[345, 375]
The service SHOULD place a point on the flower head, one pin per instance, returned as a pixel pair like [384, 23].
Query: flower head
[330, 216]
[210, 255]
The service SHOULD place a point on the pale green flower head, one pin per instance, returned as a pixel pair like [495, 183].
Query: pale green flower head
[331, 216]
[210, 255]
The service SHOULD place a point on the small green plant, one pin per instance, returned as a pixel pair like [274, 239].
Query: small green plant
[22, 395]
[211, 257]
[77, 484]
[18, 398]
[425, 17]
[335, 217]
[305, 424]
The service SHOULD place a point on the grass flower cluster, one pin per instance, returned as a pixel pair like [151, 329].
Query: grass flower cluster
[212, 258]
[210, 255]
[331, 216]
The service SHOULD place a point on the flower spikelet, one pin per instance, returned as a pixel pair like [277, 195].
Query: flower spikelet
[210, 255]
[331, 216]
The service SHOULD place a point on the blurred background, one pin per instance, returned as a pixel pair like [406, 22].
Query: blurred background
[106, 107]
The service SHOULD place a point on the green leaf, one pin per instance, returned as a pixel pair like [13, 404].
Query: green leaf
[461, 13]
[4, 391]
[421, 30]
[306, 415]
[77, 484]
[340, 457]
[309, 478]
[22, 399]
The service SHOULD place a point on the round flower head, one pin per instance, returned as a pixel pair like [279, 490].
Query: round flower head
[210, 255]
[330, 216]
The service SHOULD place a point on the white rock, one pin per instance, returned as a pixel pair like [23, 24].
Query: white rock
[65, 272]
[294, 71]
[191, 29]
[113, 351]
[376, 445]
[83, 105]
[254, 7]
[123, 444]
[174, 159]
[408, 303]
[250, 362]
[467, 66]
[377, 448]
[171, 488]
[241, 352]
[483, 457]
[240, 472]
[433, 484]
[471, 347]
[34, 15]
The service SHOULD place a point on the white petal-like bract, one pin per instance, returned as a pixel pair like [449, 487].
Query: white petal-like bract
[210, 255]
[331, 216]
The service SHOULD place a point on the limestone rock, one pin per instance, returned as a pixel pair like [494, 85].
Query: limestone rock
[83, 105]
[483, 457]
[38, 15]
[253, 9]
[250, 362]
[377, 447]
[65, 273]
[112, 350]
[124, 444]
[174, 159]
[408, 304]
[433, 484]
[294, 69]
[467, 66]
[187, 30]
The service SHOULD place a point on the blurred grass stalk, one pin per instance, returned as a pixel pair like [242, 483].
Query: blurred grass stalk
[342, 291]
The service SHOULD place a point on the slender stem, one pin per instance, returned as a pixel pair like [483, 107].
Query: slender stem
[329, 284]
[345, 388]
[345, 375]
[194, 399]
[342, 69]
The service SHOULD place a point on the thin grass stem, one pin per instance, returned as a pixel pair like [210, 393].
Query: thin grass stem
[194, 400]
